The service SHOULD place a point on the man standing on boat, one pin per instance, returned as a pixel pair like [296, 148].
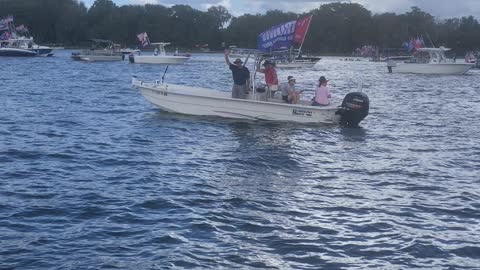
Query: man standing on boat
[241, 76]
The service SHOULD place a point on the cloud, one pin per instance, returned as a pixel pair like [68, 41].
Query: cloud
[438, 8]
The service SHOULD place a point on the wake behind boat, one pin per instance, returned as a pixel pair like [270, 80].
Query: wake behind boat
[208, 102]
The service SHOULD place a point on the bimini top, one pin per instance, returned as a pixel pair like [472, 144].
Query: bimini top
[441, 49]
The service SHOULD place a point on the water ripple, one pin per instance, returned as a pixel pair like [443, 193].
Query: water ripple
[95, 177]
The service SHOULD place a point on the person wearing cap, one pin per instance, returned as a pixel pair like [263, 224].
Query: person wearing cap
[322, 94]
[271, 79]
[289, 94]
[241, 76]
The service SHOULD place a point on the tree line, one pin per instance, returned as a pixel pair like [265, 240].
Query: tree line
[337, 28]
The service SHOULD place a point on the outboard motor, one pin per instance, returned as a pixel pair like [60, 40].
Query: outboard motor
[131, 58]
[354, 109]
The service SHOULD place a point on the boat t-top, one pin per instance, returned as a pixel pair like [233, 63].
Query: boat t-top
[159, 56]
[101, 50]
[430, 61]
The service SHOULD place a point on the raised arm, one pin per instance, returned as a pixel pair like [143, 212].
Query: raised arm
[227, 60]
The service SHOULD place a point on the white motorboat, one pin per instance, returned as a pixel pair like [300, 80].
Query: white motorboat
[23, 46]
[292, 59]
[297, 63]
[430, 61]
[102, 50]
[208, 102]
[158, 57]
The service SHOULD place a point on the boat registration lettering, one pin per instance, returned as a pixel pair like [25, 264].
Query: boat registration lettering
[162, 93]
[302, 112]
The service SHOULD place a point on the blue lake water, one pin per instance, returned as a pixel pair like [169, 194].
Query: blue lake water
[92, 176]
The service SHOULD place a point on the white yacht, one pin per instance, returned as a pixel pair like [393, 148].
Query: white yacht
[430, 61]
[159, 56]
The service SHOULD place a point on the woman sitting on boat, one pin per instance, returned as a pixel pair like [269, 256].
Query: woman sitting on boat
[289, 94]
[322, 94]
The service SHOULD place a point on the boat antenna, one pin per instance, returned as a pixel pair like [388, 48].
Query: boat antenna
[433, 45]
[165, 72]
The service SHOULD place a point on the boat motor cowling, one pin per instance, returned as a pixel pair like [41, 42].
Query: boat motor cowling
[354, 109]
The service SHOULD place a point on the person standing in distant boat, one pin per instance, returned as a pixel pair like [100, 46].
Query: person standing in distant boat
[271, 79]
[241, 76]
[322, 94]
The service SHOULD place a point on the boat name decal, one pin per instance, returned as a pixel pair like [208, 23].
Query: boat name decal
[302, 112]
[161, 93]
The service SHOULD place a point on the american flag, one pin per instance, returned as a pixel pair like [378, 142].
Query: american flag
[143, 37]
[21, 28]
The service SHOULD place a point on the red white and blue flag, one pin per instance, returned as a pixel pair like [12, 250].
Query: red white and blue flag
[3, 26]
[143, 37]
[5, 36]
[8, 19]
[301, 28]
[22, 29]
[282, 36]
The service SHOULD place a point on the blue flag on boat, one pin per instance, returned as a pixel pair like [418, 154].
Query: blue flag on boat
[279, 37]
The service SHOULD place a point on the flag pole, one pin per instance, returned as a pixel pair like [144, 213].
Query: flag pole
[430, 39]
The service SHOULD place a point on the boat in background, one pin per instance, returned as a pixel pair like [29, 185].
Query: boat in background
[203, 48]
[101, 50]
[430, 61]
[158, 57]
[23, 47]
[17, 41]
[293, 59]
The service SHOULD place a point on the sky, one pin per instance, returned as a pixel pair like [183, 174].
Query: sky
[439, 8]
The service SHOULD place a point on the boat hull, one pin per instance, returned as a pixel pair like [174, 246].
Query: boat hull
[206, 102]
[97, 56]
[159, 59]
[442, 68]
[17, 52]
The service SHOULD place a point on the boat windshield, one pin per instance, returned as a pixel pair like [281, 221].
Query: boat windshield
[420, 58]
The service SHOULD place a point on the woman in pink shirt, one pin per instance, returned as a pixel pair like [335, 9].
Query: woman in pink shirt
[322, 94]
